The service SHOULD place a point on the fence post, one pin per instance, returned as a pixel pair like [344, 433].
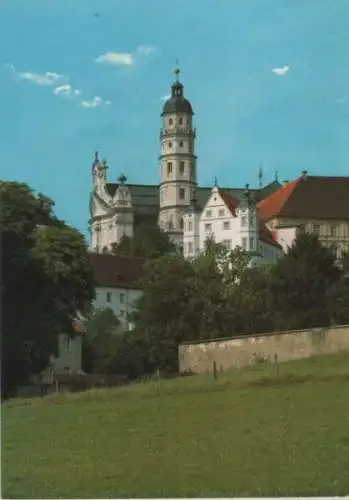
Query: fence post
[215, 370]
[276, 361]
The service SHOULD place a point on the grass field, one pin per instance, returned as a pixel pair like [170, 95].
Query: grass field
[253, 432]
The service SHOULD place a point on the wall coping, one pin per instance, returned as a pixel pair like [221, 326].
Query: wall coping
[260, 335]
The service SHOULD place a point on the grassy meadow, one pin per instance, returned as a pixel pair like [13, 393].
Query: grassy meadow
[257, 431]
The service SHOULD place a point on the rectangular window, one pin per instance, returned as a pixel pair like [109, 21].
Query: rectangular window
[333, 230]
[252, 245]
[122, 298]
[169, 167]
[208, 213]
[221, 212]
[108, 297]
[190, 226]
[316, 228]
[244, 243]
[181, 193]
[244, 221]
[190, 247]
[67, 343]
[181, 167]
[301, 229]
[227, 244]
[226, 225]
[208, 228]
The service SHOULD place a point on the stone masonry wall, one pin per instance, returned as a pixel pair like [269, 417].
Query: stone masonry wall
[241, 351]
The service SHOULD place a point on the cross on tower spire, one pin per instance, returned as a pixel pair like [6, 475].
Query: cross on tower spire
[177, 71]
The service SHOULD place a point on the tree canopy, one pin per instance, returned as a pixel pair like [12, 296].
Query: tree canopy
[218, 294]
[46, 279]
[148, 241]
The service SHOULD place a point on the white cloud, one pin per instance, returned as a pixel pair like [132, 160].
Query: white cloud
[145, 50]
[165, 97]
[94, 103]
[281, 71]
[119, 58]
[47, 78]
[66, 90]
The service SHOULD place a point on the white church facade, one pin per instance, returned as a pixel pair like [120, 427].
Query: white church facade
[117, 208]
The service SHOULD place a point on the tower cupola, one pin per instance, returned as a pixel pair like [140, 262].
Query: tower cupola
[177, 103]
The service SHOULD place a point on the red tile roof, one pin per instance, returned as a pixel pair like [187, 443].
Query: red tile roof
[230, 202]
[264, 234]
[310, 197]
[267, 236]
[115, 271]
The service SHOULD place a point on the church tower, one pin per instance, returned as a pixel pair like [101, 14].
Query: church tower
[177, 162]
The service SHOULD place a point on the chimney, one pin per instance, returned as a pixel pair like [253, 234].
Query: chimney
[304, 175]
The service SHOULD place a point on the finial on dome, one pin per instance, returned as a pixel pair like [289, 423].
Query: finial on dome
[177, 71]
[122, 179]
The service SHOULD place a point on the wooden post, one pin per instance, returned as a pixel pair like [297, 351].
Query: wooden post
[277, 364]
[215, 370]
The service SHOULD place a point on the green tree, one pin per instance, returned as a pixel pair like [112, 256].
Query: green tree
[165, 315]
[46, 278]
[148, 241]
[100, 341]
[300, 282]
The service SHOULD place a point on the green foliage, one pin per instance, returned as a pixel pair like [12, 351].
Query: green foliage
[46, 279]
[300, 283]
[148, 242]
[100, 341]
[218, 294]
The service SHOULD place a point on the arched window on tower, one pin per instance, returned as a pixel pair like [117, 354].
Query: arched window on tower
[170, 121]
[181, 223]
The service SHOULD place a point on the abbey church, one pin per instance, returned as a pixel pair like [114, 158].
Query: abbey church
[117, 208]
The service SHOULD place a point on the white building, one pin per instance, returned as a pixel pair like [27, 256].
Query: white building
[117, 284]
[116, 208]
[230, 222]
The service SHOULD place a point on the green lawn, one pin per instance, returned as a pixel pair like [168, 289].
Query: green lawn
[253, 432]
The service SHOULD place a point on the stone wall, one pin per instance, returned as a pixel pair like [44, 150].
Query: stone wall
[240, 351]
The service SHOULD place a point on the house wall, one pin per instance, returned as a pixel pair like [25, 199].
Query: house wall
[241, 351]
[69, 355]
[330, 232]
[217, 221]
[120, 300]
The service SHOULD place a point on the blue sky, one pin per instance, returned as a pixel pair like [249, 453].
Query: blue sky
[56, 57]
